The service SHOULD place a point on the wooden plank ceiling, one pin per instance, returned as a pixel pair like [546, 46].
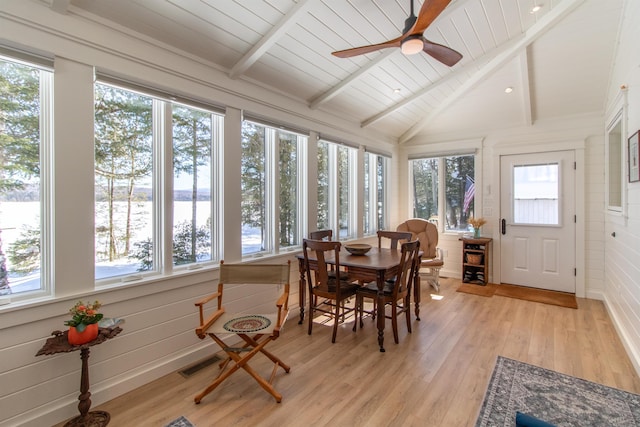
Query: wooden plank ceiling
[557, 60]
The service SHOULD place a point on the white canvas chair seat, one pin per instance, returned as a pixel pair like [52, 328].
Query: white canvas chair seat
[255, 330]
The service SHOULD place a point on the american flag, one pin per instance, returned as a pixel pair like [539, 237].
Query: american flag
[469, 193]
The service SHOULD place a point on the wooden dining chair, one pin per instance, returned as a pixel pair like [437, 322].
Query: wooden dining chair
[326, 294]
[321, 235]
[396, 293]
[327, 235]
[255, 330]
[394, 237]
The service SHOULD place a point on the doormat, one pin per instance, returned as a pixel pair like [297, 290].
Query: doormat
[483, 290]
[554, 397]
[544, 296]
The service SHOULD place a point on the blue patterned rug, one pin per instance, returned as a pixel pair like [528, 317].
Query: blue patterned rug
[180, 422]
[556, 398]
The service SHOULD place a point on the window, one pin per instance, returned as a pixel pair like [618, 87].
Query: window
[25, 126]
[130, 179]
[272, 170]
[197, 136]
[124, 182]
[337, 189]
[375, 201]
[444, 187]
[615, 160]
[535, 194]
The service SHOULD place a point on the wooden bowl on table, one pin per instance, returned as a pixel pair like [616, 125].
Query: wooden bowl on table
[357, 248]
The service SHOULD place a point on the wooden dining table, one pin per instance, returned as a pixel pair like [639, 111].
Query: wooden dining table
[377, 265]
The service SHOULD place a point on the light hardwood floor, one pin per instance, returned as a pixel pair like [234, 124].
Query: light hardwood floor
[436, 376]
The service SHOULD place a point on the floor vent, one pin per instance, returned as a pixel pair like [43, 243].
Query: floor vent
[190, 370]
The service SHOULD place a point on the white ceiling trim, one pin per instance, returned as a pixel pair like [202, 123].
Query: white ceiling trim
[526, 87]
[545, 23]
[269, 39]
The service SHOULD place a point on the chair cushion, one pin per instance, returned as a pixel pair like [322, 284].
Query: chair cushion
[424, 231]
[372, 288]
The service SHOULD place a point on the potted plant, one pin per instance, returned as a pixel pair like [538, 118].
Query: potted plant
[83, 326]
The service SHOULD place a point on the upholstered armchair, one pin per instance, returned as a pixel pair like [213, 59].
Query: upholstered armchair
[432, 257]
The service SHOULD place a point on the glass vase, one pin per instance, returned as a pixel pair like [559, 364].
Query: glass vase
[476, 232]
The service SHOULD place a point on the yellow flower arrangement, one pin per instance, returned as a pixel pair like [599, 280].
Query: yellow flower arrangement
[477, 222]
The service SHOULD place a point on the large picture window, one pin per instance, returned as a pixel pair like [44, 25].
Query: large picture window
[25, 126]
[337, 189]
[271, 192]
[375, 197]
[444, 190]
[130, 179]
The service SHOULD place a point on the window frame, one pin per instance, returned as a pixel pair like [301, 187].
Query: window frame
[45, 178]
[271, 198]
[441, 187]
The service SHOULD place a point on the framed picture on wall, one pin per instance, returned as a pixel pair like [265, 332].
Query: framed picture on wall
[634, 157]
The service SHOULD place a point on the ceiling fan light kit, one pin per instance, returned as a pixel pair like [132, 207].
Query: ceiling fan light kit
[412, 44]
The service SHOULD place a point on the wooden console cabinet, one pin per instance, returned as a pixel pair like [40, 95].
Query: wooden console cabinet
[475, 260]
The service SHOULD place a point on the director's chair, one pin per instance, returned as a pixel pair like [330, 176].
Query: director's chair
[256, 330]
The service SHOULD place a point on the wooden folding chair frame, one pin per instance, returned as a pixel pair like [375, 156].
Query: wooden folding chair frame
[261, 274]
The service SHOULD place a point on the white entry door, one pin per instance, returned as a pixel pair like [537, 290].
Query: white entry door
[537, 226]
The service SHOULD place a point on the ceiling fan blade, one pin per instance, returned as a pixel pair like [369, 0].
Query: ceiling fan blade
[429, 11]
[444, 54]
[348, 53]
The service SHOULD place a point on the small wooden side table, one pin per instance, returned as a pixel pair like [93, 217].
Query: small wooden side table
[59, 344]
[475, 260]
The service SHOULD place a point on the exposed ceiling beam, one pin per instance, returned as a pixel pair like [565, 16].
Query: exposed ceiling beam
[546, 22]
[268, 40]
[346, 82]
[527, 106]
[60, 6]
[466, 69]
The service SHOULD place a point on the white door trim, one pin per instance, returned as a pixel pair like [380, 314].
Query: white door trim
[579, 148]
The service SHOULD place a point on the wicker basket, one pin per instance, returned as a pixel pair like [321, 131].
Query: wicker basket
[475, 259]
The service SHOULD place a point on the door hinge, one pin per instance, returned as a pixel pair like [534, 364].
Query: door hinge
[575, 165]
[575, 271]
[575, 219]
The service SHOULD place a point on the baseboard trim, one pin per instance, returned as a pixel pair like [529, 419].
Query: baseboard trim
[632, 351]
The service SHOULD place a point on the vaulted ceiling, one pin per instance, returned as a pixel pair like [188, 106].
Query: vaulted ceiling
[557, 60]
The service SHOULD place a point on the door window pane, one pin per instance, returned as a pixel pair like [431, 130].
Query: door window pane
[535, 194]
[124, 209]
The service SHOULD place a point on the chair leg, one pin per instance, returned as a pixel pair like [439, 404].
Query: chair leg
[336, 318]
[394, 321]
[310, 313]
[407, 311]
[357, 309]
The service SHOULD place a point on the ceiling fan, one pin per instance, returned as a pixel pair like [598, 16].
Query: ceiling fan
[412, 41]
